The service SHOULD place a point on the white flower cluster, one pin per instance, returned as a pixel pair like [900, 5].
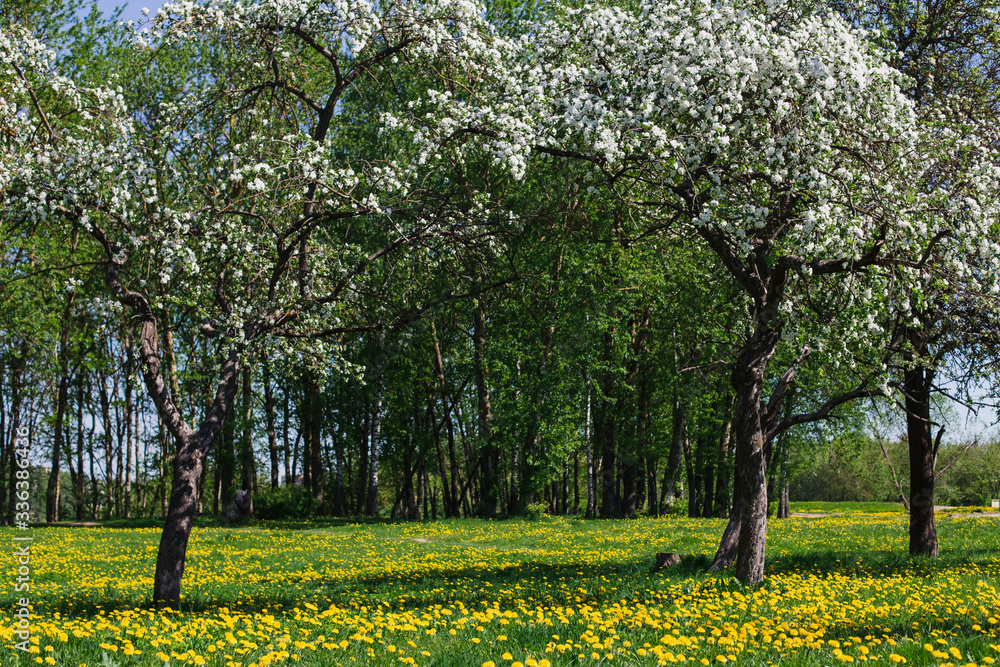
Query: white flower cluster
[792, 127]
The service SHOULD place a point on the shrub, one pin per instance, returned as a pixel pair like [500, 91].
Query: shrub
[534, 511]
[285, 502]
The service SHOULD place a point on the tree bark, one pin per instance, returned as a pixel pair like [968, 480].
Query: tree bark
[272, 441]
[130, 430]
[79, 478]
[62, 404]
[490, 454]
[918, 382]
[748, 380]
[729, 544]
[591, 470]
[722, 472]
[315, 446]
[604, 430]
[376, 443]
[109, 447]
[675, 457]
[248, 463]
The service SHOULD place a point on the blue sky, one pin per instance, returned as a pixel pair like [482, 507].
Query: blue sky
[132, 8]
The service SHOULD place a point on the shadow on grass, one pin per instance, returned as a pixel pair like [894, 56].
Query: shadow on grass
[531, 582]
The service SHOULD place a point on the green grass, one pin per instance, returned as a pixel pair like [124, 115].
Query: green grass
[844, 577]
[849, 507]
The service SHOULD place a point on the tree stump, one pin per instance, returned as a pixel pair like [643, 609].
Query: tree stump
[667, 560]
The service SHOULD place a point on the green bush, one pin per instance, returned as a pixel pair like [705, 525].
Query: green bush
[285, 502]
[534, 511]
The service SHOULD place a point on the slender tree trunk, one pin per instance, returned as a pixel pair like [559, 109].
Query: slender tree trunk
[442, 469]
[723, 475]
[376, 444]
[108, 442]
[130, 433]
[784, 511]
[490, 454]
[362, 489]
[604, 431]
[784, 508]
[225, 463]
[591, 471]
[286, 418]
[675, 458]
[452, 497]
[62, 405]
[576, 484]
[693, 488]
[316, 448]
[305, 427]
[52, 493]
[248, 463]
[269, 413]
[338, 482]
[94, 489]
[918, 382]
[652, 501]
[78, 481]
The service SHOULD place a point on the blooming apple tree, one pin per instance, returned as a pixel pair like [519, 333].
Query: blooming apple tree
[250, 194]
[778, 136]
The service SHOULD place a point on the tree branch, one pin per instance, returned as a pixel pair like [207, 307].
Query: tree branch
[823, 412]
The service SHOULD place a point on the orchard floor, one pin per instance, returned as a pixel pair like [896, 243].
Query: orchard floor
[838, 588]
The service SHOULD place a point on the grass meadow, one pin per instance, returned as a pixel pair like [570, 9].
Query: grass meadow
[560, 591]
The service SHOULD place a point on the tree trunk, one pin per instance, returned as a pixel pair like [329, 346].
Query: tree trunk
[604, 430]
[784, 511]
[109, 447]
[917, 385]
[286, 418]
[376, 444]
[591, 471]
[316, 450]
[248, 463]
[490, 454]
[180, 517]
[576, 484]
[130, 430]
[692, 479]
[748, 380]
[338, 482]
[728, 545]
[629, 475]
[439, 450]
[94, 491]
[52, 492]
[652, 501]
[269, 413]
[675, 457]
[193, 447]
[79, 479]
[723, 474]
